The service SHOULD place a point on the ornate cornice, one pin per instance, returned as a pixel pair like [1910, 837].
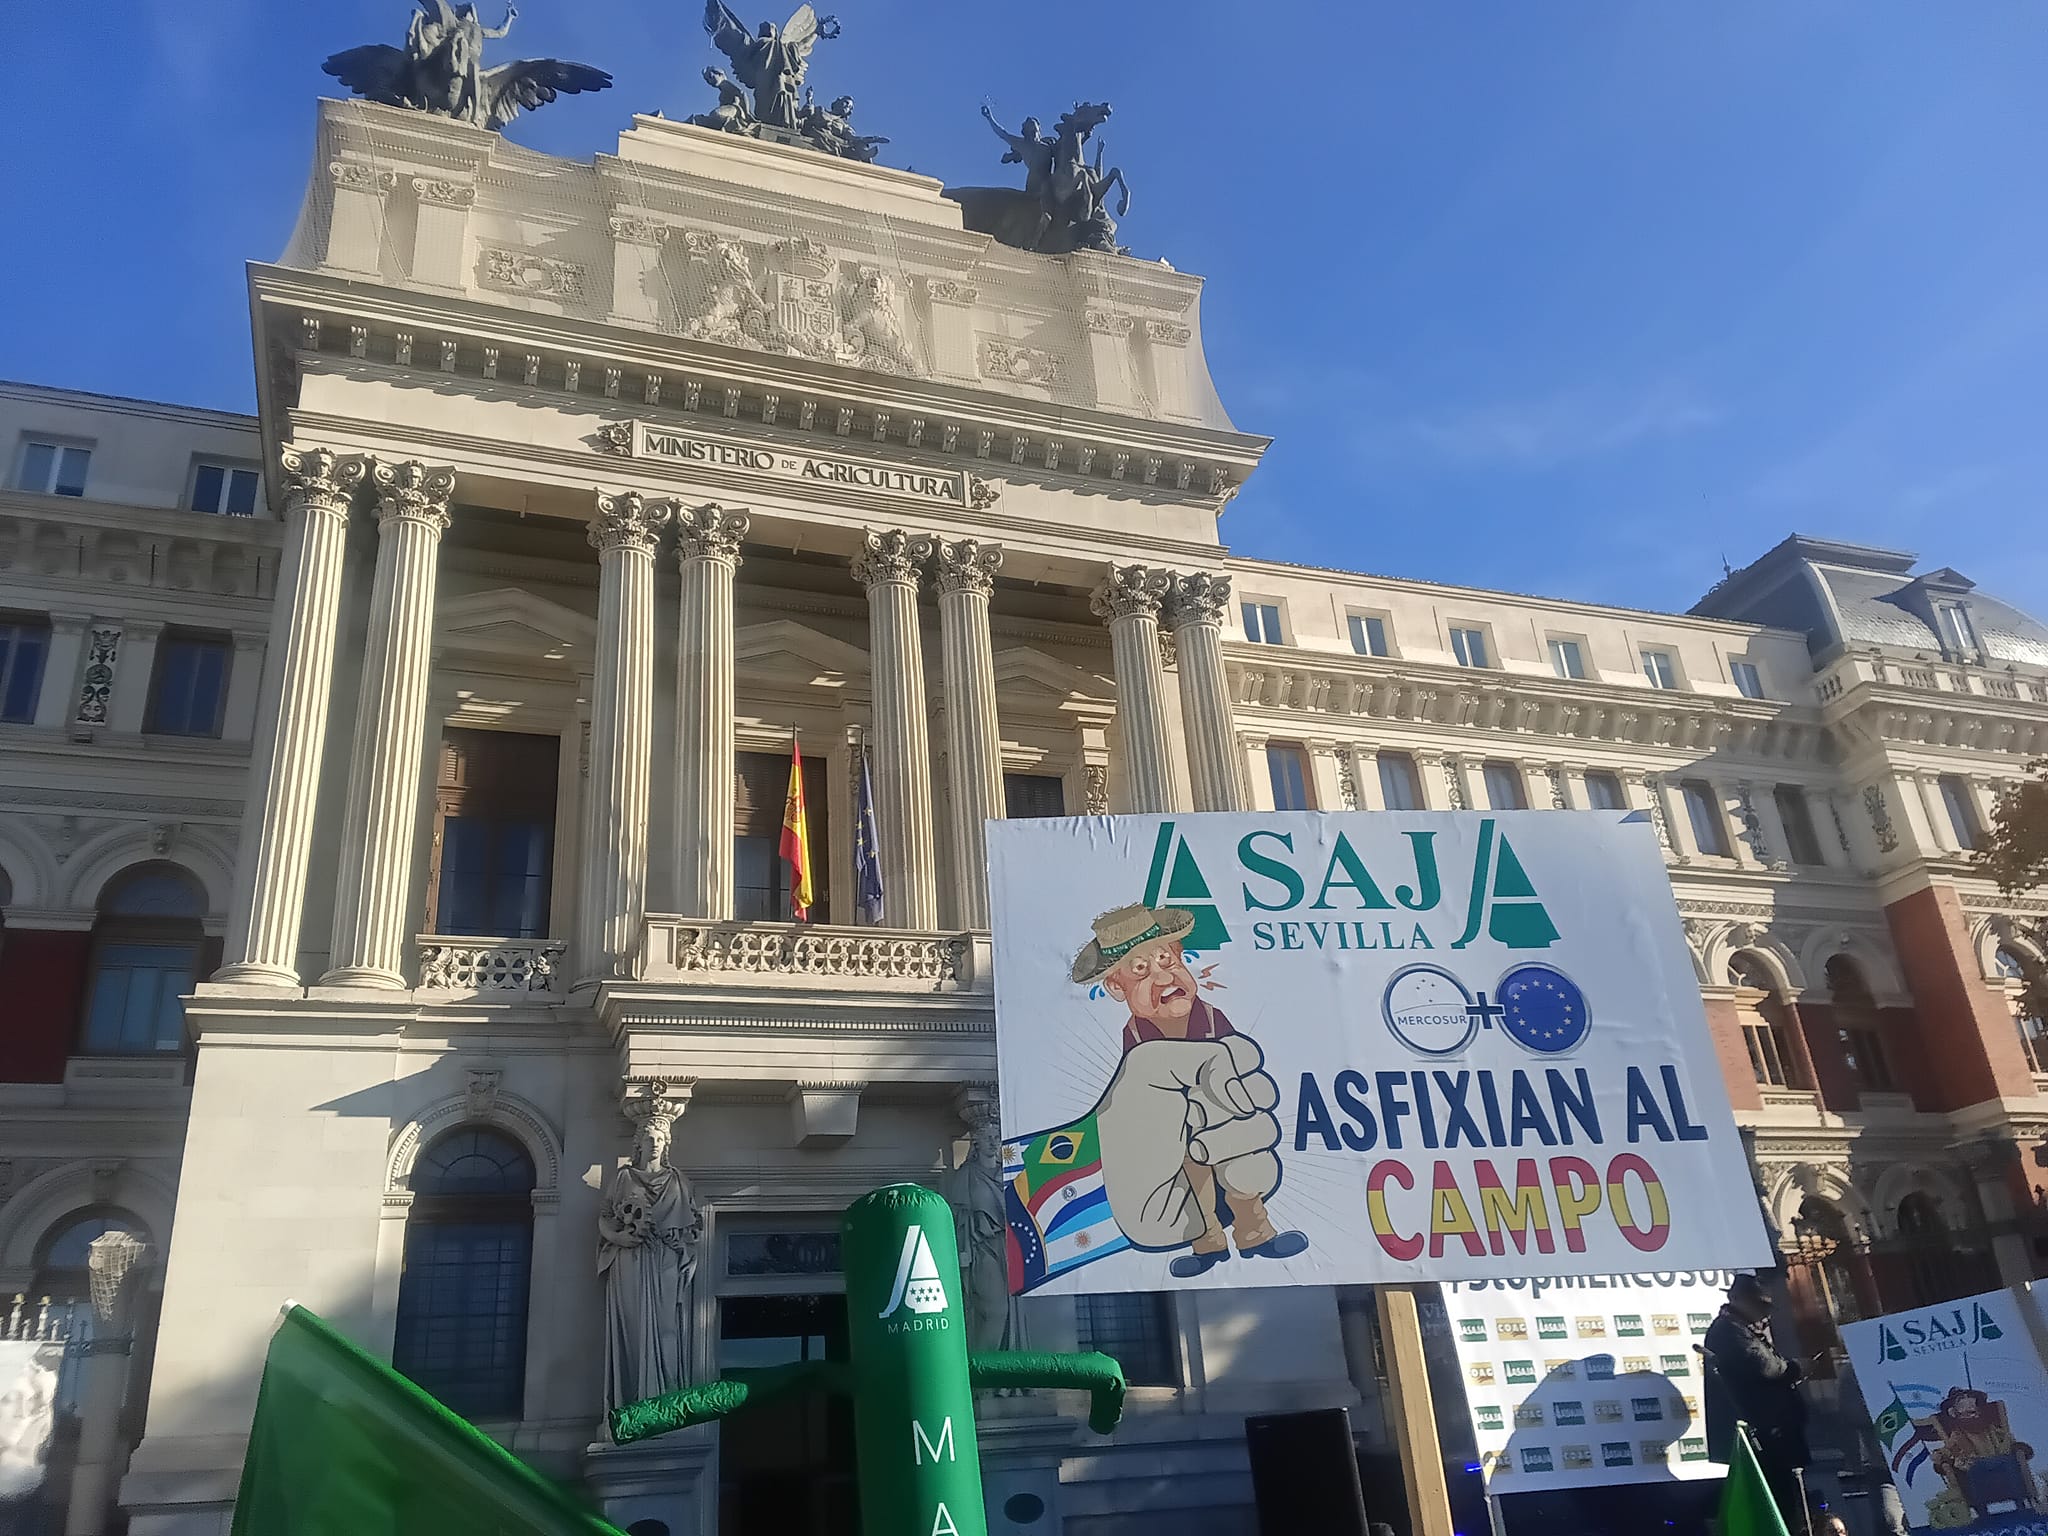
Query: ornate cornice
[414, 492]
[321, 479]
[625, 520]
[1130, 591]
[444, 194]
[359, 177]
[631, 231]
[889, 556]
[1107, 322]
[965, 565]
[1197, 597]
[710, 532]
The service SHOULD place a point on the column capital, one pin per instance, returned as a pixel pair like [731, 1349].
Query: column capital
[1197, 597]
[1130, 591]
[655, 1102]
[709, 532]
[889, 556]
[627, 520]
[965, 565]
[321, 479]
[410, 491]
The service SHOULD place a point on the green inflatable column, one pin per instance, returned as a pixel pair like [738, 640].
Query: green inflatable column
[913, 1409]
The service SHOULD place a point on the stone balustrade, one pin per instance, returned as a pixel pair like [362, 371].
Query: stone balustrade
[451, 963]
[1876, 667]
[677, 948]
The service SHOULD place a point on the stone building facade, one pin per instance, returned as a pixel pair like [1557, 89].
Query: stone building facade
[426, 735]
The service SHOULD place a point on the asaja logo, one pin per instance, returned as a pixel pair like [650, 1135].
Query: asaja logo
[1488, 1416]
[1521, 1373]
[1627, 1325]
[1617, 1453]
[1675, 1365]
[1646, 1409]
[1176, 880]
[1599, 1367]
[1692, 1450]
[1535, 1458]
[917, 1286]
[1472, 1330]
[1549, 1327]
[1566, 1411]
[1949, 1328]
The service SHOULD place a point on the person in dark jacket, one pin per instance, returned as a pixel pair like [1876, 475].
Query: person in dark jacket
[1748, 1379]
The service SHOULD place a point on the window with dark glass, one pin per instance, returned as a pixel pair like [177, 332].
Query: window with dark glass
[1603, 792]
[62, 1269]
[53, 469]
[1703, 810]
[492, 862]
[145, 957]
[1962, 814]
[1767, 1025]
[1802, 843]
[1956, 631]
[1748, 681]
[24, 646]
[1288, 766]
[1469, 646]
[224, 488]
[189, 693]
[461, 1332]
[1368, 634]
[1400, 784]
[760, 877]
[1136, 1330]
[1262, 622]
[1505, 790]
[1857, 1028]
[1030, 795]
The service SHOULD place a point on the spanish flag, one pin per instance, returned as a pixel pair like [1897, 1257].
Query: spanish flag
[796, 838]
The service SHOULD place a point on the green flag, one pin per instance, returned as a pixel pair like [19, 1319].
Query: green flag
[1747, 1508]
[1893, 1422]
[342, 1444]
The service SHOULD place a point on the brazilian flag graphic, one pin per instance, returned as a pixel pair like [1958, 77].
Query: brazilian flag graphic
[1056, 1205]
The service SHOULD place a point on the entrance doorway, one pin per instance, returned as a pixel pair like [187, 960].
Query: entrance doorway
[786, 1468]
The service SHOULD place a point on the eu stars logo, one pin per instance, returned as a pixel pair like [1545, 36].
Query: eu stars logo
[1543, 1009]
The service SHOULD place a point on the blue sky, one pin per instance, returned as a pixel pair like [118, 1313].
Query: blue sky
[1569, 298]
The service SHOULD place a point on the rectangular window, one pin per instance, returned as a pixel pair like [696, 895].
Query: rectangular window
[1031, 795]
[1505, 790]
[1400, 784]
[1962, 814]
[760, 877]
[1802, 843]
[1368, 634]
[1956, 632]
[1766, 1059]
[1136, 1330]
[24, 645]
[189, 692]
[1748, 681]
[1262, 623]
[1659, 668]
[1469, 646]
[1603, 792]
[224, 488]
[53, 469]
[1565, 659]
[1863, 1054]
[1289, 768]
[1703, 810]
[494, 837]
[137, 992]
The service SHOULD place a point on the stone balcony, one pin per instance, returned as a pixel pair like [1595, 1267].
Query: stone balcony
[1876, 667]
[1917, 701]
[687, 949]
[506, 970]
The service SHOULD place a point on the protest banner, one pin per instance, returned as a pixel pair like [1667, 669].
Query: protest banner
[1589, 1381]
[1959, 1401]
[1297, 1048]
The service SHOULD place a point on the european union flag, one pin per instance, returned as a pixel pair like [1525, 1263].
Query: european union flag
[867, 864]
[1543, 1009]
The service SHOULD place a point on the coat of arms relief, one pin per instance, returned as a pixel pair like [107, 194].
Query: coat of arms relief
[802, 302]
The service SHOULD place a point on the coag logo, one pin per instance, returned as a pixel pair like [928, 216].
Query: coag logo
[917, 1286]
[1938, 1331]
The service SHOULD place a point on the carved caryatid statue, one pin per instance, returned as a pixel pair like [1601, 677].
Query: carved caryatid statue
[771, 62]
[440, 70]
[647, 1253]
[1064, 203]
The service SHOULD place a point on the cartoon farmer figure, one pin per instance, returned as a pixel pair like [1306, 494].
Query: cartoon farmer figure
[1179, 1151]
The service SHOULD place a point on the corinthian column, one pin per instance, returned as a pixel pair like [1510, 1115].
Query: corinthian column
[707, 554]
[965, 572]
[1195, 608]
[887, 567]
[291, 733]
[1129, 600]
[612, 896]
[370, 898]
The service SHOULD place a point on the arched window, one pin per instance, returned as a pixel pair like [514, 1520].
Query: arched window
[468, 1255]
[145, 958]
[1826, 1244]
[62, 1272]
[1767, 1024]
[1920, 1216]
[2017, 972]
[1857, 1028]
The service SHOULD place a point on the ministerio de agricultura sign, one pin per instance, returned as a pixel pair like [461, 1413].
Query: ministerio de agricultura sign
[824, 472]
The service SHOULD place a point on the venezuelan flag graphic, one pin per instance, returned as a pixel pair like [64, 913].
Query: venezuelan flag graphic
[1056, 1205]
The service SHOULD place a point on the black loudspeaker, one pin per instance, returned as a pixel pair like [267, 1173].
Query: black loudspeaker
[1305, 1473]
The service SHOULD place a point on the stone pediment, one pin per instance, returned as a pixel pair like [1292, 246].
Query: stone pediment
[510, 625]
[1024, 675]
[789, 651]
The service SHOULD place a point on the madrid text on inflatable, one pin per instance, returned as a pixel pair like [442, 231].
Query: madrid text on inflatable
[1299, 1048]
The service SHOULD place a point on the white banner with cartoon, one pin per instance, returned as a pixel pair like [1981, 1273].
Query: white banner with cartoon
[1292, 1048]
[1959, 1400]
[1589, 1381]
